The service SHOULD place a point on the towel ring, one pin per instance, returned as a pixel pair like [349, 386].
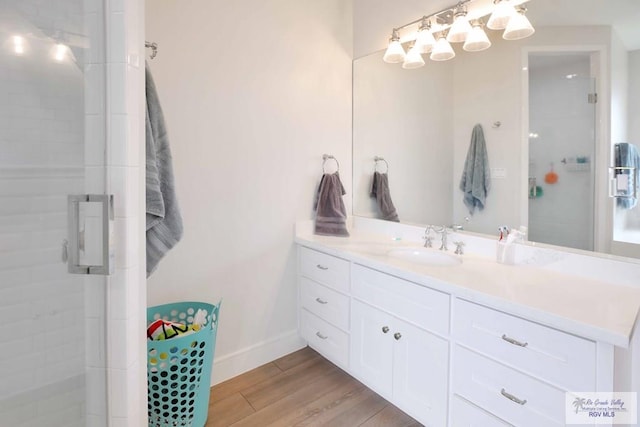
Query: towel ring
[378, 159]
[326, 157]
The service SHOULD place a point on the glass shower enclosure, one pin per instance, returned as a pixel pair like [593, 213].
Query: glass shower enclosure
[54, 213]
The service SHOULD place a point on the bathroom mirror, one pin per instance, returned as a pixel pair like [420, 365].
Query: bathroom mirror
[420, 121]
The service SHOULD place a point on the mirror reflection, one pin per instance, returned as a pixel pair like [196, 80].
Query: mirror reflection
[551, 108]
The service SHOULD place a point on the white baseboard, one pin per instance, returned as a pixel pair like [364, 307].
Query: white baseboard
[241, 361]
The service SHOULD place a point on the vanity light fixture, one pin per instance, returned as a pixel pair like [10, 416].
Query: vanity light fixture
[413, 58]
[60, 51]
[501, 15]
[442, 51]
[477, 39]
[460, 27]
[519, 26]
[425, 39]
[395, 52]
[458, 24]
[18, 44]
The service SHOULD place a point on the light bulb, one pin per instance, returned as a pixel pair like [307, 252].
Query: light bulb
[413, 58]
[501, 15]
[425, 40]
[395, 52]
[459, 29]
[519, 26]
[477, 39]
[442, 51]
[18, 45]
[60, 52]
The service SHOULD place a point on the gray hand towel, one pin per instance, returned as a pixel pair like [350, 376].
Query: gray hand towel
[626, 155]
[380, 190]
[331, 215]
[164, 222]
[476, 177]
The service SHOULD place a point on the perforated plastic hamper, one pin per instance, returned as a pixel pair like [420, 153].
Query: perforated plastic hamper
[179, 369]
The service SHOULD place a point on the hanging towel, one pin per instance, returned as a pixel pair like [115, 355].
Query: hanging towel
[331, 215]
[627, 155]
[380, 191]
[476, 178]
[164, 222]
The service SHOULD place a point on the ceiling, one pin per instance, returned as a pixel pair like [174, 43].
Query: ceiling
[622, 15]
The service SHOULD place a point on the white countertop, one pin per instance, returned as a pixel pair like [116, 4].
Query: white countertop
[590, 308]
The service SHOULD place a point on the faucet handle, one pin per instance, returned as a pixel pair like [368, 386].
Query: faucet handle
[459, 248]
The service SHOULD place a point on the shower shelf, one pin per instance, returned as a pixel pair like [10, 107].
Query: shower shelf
[577, 167]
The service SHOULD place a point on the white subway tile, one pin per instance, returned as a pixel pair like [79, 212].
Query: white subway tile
[118, 82]
[94, 93]
[117, 38]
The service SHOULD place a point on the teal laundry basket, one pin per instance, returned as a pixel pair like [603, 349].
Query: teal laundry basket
[179, 369]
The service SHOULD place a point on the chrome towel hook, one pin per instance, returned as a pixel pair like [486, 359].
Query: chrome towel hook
[378, 159]
[326, 157]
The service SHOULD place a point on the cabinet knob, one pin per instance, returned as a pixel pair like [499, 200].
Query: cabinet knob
[385, 329]
[397, 336]
[322, 337]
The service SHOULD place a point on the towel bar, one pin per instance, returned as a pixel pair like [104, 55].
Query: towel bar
[326, 157]
[377, 159]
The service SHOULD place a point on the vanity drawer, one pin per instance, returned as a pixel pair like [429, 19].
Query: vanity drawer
[560, 358]
[422, 306]
[325, 269]
[464, 414]
[505, 392]
[328, 340]
[325, 303]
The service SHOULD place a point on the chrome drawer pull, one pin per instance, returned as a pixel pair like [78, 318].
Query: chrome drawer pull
[512, 398]
[321, 301]
[385, 329]
[397, 336]
[514, 342]
[322, 267]
[322, 337]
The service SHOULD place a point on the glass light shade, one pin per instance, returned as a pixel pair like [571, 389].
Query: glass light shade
[18, 44]
[518, 28]
[425, 41]
[501, 15]
[395, 52]
[413, 58]
[60, 52]
[477, 40]
[442, 51]
[459, 30]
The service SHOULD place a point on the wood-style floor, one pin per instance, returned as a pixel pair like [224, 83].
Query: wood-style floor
[300, 389]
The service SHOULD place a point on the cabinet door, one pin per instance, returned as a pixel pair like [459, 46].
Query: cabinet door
[420, 374]
[371, 347]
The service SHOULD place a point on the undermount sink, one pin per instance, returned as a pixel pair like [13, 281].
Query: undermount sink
[425, 256]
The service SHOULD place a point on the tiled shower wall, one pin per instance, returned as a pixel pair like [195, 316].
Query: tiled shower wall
[52, 322]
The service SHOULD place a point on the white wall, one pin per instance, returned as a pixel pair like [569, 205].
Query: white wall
[406, 117]
[254, 92]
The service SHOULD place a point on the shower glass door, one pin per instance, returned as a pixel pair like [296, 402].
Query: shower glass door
[52, 144]
[562, 126]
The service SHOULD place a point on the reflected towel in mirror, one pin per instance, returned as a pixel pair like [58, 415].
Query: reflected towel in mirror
[627, 155]
[476, 176]
[380, 191]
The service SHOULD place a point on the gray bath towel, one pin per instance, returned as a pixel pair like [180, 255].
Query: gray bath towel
[380, 190]
[164, 222]
[476, 178]
[331, 215]
[626, 155]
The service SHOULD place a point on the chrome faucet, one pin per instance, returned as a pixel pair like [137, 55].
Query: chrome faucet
[443, 242]
[428, 240]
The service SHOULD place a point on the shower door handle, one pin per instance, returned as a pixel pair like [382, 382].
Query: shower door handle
[76, 237]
